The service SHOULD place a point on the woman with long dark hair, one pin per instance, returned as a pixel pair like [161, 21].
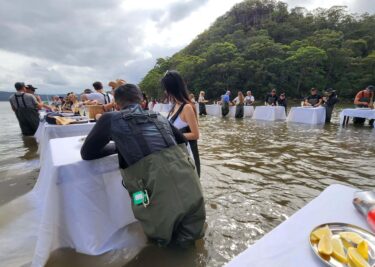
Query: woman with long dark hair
[183, 114]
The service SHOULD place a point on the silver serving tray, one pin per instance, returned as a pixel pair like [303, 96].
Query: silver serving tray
[337, 228]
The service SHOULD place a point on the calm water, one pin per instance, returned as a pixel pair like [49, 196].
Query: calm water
[255, 175]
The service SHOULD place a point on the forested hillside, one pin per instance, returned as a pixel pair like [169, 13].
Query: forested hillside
[259, 45]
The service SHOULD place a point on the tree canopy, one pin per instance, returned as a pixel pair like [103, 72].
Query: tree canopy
[260, 44]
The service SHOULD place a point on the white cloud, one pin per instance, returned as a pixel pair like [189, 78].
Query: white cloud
[62, 46]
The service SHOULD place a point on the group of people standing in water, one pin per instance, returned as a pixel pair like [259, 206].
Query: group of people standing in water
[329, 100]
[160, 177]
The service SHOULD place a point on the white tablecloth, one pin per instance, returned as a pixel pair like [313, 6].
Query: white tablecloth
[288, 244]
[46, 132]
[269, 113]
[83, 204]
[357, 112]
[215, 110]
[307, 115]
[165, 108]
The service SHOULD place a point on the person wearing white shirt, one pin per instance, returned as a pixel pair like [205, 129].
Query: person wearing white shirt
[100, 96]
[249, 99]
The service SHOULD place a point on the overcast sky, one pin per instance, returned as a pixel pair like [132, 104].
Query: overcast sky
[61, 46]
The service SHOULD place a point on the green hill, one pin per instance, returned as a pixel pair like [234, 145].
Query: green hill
[259, 45]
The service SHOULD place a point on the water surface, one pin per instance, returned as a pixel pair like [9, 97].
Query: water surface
[254, 175]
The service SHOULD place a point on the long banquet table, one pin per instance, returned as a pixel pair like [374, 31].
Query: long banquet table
[287, 245]
[269, 113]
[365, 113]
[307, 115]
[215, 110]
[83, 204]
[46, 132]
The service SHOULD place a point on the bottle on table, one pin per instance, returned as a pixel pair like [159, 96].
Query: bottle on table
[364, 202]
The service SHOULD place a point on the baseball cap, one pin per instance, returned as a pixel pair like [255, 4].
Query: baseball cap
[29, 86]
[329, 90]
[19, 85]
[370, 87]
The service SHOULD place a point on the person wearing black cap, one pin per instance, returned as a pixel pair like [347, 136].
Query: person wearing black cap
[25, 106]
[157, 172]
[31, 90]
[329, 101]
[364, 99]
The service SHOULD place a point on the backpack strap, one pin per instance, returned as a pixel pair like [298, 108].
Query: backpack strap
[107, 99]
[23, 100]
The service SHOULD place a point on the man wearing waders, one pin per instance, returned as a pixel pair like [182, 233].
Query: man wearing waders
[225, 100]
[25, 106]
[156, 169]
[330, 100]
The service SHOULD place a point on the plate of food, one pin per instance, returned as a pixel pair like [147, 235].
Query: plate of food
[67, 114]
[79, 120]
[343, 245]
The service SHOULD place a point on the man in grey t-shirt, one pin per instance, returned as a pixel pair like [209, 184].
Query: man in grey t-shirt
[25, 106]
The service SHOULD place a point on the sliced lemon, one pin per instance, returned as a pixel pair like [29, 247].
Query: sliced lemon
[320, 232]
[350, 263]
[338, 250]
[356, 258]
[351, 237]
[363, 249]
[325, 245]
[313, 238]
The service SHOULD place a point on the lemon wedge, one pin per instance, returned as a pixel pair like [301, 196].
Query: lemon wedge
[338, 250]
[351, 237]
[313, 238]
[325, 245]
[363, 249]
[320, 232]
[356, 258]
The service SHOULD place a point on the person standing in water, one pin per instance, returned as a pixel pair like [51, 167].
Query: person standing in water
[249, 99]
[329, 101]
[156, 170]
[281, 101]
[183, 114]
[25, 107]
[225, 101]
[314, 99]
[364, 99]
[271, 98]
[202, 104]
[239, 102]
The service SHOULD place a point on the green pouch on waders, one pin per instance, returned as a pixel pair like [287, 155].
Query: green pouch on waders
[166, 196]
[225, 109]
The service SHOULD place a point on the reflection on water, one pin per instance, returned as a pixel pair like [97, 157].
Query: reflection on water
[255, 175]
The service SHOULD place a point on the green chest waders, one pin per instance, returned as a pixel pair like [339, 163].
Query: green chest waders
[225, 109]
[166, 193]
[28, 118]
[239, 111]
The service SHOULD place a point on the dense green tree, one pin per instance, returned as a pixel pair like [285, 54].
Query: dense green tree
[260, 44]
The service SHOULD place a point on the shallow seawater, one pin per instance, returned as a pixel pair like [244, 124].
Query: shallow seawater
[254, 175]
